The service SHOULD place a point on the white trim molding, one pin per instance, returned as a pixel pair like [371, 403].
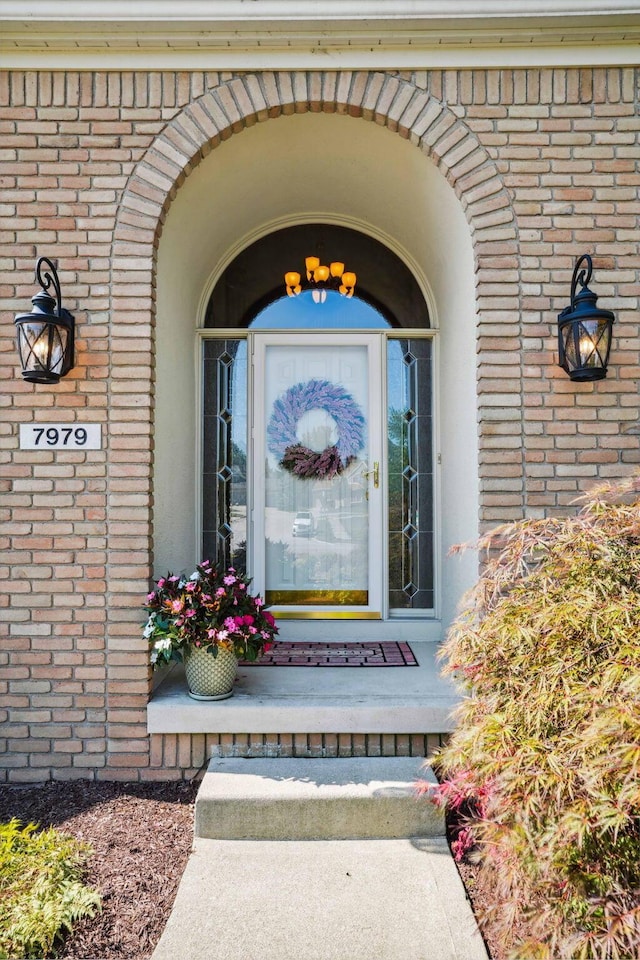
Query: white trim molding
[298, 10]
[334, 34]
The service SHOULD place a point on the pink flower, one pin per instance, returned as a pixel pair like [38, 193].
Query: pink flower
[252, 630]
[230, 624]
[161, 582]
[248, 619]
[259, 602]
[269, 618]
[228, 580]
[238, 621]
[220, 592]
[462, 845]
[151, 596]
[191, 586]
[190, 613]
[176, 606]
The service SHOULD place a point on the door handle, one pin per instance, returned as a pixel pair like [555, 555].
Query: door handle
[375, 473]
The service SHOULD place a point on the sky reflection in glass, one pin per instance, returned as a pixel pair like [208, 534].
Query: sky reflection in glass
[337, 312]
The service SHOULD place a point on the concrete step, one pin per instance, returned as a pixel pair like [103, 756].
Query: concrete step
[285, 700]
[308, 799]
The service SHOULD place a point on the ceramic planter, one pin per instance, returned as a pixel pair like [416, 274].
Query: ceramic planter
[210, 677]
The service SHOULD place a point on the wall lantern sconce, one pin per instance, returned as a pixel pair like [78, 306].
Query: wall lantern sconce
[320, 279]
[46, 335]
[584, 330]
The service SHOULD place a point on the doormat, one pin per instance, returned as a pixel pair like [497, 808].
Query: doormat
[387, 653]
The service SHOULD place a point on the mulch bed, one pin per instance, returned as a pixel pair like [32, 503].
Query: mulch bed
[141, 835]
[480, 896]
[478, 886]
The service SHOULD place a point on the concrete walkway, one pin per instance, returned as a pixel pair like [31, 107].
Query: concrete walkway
[355, 898]
[321, 900]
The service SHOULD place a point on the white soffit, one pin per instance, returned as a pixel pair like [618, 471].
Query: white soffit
[308, 34]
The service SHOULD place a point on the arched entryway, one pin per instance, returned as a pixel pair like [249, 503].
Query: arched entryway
[313, 167]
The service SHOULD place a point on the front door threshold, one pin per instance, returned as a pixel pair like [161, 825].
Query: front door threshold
[360, 700]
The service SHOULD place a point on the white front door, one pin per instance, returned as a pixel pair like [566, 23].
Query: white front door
[317, 533]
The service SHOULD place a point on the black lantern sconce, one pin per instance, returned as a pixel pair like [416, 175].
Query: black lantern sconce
[46, 335]
[584, 330]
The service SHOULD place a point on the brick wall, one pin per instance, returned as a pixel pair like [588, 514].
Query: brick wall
[174, 756]
[545, 164]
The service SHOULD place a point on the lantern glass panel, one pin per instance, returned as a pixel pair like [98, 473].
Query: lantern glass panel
[42, 347]
[571, 357]
[593, 338]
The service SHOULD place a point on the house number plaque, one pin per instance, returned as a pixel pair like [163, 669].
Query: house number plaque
[60, 436]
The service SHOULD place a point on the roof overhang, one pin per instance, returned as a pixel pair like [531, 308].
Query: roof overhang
[308, 34]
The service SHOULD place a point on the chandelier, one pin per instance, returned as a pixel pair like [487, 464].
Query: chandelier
[321, 278]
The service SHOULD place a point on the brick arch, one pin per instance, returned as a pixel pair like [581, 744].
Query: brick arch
[388, 100]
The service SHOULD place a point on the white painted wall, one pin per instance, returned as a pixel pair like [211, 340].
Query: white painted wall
[315, 167]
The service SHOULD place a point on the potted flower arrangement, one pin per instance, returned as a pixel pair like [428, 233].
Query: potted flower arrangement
[210, 621]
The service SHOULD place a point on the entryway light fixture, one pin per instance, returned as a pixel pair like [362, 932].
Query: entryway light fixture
[46, 335]
[584, 330]
[320, 279]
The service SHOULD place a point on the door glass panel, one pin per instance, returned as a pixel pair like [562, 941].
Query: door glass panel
[410, 469]
[315, 421]
[225, 452]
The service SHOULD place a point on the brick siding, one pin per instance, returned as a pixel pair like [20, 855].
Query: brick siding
[545, 165]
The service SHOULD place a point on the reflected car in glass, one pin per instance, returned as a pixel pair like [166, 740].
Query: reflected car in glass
[304, 524]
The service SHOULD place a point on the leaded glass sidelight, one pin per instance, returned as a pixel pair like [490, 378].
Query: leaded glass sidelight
[410, 467]
[224, 507]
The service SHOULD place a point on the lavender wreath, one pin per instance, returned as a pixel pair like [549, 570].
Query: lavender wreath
[283, 442]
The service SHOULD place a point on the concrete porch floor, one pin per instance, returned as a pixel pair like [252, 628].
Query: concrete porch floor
[314, 700]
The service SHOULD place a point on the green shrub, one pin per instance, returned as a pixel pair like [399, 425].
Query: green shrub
[548, 741]
[41, 893]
